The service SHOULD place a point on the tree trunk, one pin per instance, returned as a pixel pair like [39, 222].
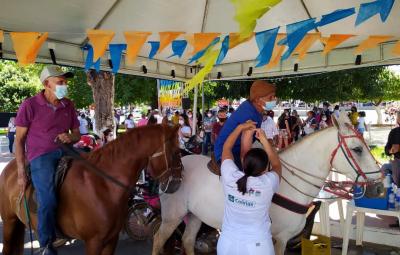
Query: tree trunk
[378, 110]
[103, 88]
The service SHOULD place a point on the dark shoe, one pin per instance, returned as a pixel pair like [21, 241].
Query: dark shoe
[48, 250]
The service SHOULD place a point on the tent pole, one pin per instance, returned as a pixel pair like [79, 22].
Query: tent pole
[158, 96]
[196, 94]
[202, 98]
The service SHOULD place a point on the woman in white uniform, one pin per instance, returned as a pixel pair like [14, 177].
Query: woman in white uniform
[247, 196]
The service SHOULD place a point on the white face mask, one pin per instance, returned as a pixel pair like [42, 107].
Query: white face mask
[181, 122]
[209, 115]
[190, 115]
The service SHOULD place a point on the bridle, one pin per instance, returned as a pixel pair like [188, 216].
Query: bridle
[341, 189]
[169, 169]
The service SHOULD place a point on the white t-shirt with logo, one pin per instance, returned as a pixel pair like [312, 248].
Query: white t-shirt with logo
[246, 217]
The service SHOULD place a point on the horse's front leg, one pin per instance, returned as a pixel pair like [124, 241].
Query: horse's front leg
[110, 247]
[280, 245]
[93, 247]
[189, 237]
[163, 233]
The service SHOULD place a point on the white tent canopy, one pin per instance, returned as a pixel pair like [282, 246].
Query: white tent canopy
[67, 22]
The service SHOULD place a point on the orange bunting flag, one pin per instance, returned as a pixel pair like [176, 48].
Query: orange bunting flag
[306, 44]
[277, 53]
[166, 38]
[1, 36]
[371, 42]
[396, 49]
[134, 41]
[333, 41]
[235, 39]
[99, 40]
[202, 40]
[27, 45]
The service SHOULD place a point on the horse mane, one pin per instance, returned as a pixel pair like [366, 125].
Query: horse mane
[125, 142]
[306, 138]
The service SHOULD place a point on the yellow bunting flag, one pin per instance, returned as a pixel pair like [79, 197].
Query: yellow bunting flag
[27, 45]
[166, 38]
[1, 36]
[202, 40]
[248, 12]
[306, 44]
[371, 42]
[396, 49]
[134, 41]
[333, 41]
[277, 53]
[99, 40]
[234, 39]
[208, 59]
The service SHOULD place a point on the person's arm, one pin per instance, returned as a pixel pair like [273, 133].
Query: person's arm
[73, 137]
[271, 152]
[395, 148]
[230, 141]
[21, 134]
[246, 142]
[388, 145]
[287, 128]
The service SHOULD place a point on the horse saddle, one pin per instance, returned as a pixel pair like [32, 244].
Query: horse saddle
[61, 171]
[213, 166]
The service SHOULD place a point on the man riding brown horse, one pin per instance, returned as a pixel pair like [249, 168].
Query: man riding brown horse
[40, 120]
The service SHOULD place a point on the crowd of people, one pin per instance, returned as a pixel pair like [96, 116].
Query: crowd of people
[248, 182]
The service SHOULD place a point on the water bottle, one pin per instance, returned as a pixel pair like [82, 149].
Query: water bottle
[397, 197]
[388, 181]
[391, 203]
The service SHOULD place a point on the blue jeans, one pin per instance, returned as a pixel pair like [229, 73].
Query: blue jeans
[11, 136]
[207, 142]
[43, 170]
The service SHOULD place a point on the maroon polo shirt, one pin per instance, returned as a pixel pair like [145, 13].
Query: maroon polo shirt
[44, 122]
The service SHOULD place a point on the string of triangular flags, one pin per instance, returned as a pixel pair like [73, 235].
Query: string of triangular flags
[210, 49]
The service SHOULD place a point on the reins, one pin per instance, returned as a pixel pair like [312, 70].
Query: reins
[334, 187]
[74, 154]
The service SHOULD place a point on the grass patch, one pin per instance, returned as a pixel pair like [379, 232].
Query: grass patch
[379, 154]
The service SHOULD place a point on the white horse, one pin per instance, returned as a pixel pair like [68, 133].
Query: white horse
[202, 196]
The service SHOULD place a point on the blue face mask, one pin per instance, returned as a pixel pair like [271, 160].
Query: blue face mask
[61, 91]
[270, 105]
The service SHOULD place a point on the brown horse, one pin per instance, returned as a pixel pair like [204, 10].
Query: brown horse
[92, 208]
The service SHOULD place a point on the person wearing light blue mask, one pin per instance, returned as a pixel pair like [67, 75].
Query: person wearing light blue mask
[262, 97]
[41, 120]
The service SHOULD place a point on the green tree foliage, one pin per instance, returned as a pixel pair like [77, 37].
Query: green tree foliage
[17, 83]
[129, 89]
[362, 84]
[135, 90]
[78, 89]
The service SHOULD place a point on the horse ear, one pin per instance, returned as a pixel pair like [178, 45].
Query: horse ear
[343, 122]
[175, 128]
[335, 121]
[164, 121]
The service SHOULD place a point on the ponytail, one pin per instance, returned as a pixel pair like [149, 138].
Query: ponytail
[255, 163]
[242, 184]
